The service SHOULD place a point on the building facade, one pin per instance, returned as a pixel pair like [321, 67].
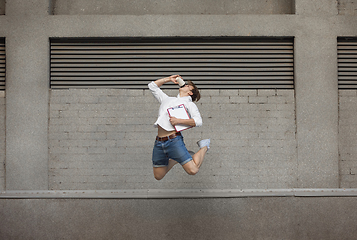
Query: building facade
[84, 153]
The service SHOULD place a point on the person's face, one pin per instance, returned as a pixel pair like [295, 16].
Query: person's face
[187, 89]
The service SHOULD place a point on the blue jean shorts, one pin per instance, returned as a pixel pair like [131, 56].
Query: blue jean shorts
[171, 149]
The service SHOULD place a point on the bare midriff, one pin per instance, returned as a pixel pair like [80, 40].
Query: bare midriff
[163, 133]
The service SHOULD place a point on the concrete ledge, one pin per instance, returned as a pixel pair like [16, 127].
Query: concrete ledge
[178, 193]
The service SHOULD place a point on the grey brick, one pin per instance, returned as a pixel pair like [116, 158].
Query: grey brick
[238, 99]
[285, 93]
[87, 128]
[348, 99]
[62, 128]
[89, 99]
[68, 114]
[219, 99]
[59, 106]
[285, 107]
[114, 128]
[91, 135]
[104, 121]
[246, 93]
[207, 92]
[278, 100]
[92, 149]
[352, 93]
[266, 92]
[66, 124]
[353, 171]
[228, 92]
[253, 99]
[264, 107]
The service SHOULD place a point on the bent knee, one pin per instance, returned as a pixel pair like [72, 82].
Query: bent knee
[158, 177]
[192, 171]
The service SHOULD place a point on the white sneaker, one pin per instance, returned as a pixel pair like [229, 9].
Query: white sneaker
[204, 143]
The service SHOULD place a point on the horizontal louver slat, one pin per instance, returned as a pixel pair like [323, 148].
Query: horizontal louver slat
[172, 69]
[2, 64]
[180, 57]
[198, 77]
[210, 62]
[164, 61]
[190, 41]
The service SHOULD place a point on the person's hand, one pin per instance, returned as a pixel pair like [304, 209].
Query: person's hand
[174, 121]
[173, 78]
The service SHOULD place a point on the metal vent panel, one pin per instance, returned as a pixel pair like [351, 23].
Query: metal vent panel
[347, 62]
[210, 62]
[2, 64]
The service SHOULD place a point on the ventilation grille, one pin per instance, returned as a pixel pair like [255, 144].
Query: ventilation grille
[2, 64]
[347, 63]
[219, 63]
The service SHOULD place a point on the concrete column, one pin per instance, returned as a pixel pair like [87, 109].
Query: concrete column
[27, 95]
[316, 104]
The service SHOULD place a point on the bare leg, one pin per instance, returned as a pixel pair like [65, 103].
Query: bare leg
[160, 172]
[193, 166]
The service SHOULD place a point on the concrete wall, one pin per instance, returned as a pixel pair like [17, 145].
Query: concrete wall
[315, 27]
[348, 138]
[2, 7]
[103, 139]
[347, 7]
[27, 98]
[209, 219]
[140, 7]
[2, 140]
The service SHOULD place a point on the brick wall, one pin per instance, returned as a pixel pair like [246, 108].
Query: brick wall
[2, 140]
[102, 139]
[347, 7]
[348, 138]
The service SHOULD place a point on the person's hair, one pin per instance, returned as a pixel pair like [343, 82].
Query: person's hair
[195, 92]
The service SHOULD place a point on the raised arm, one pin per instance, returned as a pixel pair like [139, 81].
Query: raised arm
[155, 87]
[162, 81]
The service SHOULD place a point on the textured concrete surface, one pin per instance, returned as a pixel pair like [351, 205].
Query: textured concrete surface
[316, 7]
[2, 140]
[347, 7]
[314, 26]
[316, 110]
[140, 7]
[348, 138]
[2, 7]
[102, 139]
[231, 218]
[26, 97]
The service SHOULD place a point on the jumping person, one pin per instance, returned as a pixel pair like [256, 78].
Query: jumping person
[169, 147]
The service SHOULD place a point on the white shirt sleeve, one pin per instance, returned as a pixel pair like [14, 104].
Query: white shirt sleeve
[157, 92]
[195, 114]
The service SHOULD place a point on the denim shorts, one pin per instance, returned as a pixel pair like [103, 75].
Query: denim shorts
[171, 149]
